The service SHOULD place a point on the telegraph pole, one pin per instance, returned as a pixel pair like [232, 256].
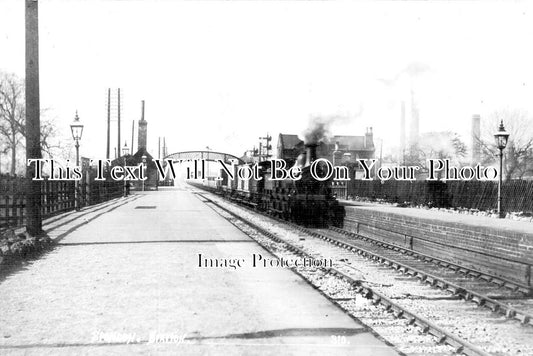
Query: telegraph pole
[108, 122]
[132, 133]
[118, 117]
[34, 225]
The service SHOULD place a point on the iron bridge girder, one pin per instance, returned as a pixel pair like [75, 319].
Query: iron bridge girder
[205, 155]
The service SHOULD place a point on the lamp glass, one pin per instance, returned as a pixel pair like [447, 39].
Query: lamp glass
[501, 141]
[77, 128]
[501, 137]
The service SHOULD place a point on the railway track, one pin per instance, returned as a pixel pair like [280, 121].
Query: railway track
[497, 294]
[348, 294]
[496, 280]
[445, 307]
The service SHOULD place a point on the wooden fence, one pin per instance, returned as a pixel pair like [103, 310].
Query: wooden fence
[517, 195]
[56, 197]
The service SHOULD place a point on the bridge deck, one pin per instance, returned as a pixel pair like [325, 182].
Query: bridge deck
[132, 269]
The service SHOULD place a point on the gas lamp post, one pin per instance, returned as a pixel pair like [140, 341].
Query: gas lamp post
[125, 151]
[501, 137]
[144, 167]
[77, 130]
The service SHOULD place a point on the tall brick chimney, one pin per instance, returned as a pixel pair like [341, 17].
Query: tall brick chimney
[142, 132]
[402, 133]
[415, 122]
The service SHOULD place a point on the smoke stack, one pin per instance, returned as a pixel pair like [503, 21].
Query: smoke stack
[476, 133]
[402, 132]
[413, 136]
[142, 133]
[310, 150]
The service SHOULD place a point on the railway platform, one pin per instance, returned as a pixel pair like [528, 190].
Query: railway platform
[518, 226]
[501, 247]
[124, 278]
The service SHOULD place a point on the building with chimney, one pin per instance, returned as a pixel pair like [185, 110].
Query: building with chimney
[135, 159]
[340, 149]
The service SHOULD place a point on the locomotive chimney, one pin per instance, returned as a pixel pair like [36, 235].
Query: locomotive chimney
[310, 149]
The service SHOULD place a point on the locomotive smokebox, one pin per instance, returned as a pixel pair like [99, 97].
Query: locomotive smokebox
[310, 149]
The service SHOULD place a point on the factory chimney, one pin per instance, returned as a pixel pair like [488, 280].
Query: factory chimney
[402, 133]
[414, 131]
[142, 131]
[476, 135]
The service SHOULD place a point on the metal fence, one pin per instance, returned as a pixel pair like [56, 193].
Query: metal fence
[56, 197]
[482, 195]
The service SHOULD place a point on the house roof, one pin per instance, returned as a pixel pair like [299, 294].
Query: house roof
[289, 141]
[142, 152]
[134, 159]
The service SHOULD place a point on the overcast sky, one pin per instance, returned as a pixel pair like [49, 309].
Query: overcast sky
[221, 74]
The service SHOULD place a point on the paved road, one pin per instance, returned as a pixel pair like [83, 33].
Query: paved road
[126, 273]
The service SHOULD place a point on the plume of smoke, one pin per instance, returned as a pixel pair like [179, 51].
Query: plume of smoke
[319, 127]
[412, 70]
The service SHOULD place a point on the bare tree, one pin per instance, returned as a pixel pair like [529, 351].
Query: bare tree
[436, 145]
[49, 133]
[13, 120]
[12, 114]
[518, 155]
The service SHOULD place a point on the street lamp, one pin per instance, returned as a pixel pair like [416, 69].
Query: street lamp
[125, 151]
[77, 130]
[501, 137]
[144, 167]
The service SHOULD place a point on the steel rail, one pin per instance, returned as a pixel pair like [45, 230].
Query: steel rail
[434, 281]
[460, 345]
[499, 281]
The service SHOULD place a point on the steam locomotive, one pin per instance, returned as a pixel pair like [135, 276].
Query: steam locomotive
[306, 201]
